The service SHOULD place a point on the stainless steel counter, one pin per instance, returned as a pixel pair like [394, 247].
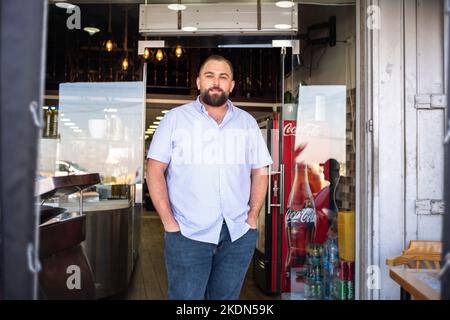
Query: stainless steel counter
[111, 245]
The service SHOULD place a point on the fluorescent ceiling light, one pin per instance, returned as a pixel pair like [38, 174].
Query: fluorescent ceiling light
[64, 5]
[159, 118]
[285, 4]
[164, 111]
[256, 45]
[91, 30]
[69, 123]
[65, 120]
[189, 29]
[176, 7]
[77, 130]
[282, 26]
[153, 126]
[155, 122]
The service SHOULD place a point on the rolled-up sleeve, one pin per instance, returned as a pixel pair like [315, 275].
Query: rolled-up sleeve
[260, 156]
[161, 145]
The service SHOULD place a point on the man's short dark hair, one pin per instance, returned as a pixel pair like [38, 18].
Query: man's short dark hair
[217, 57]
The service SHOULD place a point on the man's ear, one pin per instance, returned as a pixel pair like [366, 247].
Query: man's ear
[232, 86]
[198, 83]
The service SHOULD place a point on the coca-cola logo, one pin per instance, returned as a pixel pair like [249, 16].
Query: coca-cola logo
[306, 129]
[289, 129]
[305, 215]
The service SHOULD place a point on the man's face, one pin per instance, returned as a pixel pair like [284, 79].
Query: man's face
[215, 83]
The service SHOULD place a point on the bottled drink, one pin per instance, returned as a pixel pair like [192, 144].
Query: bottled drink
[343, 274]
[300, 223]
[330, 264]
[350, 280]
[300, 219]
[54, 132]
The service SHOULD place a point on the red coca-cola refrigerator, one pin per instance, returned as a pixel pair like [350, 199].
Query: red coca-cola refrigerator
[271, 254]
[267, 258]
[300, 211]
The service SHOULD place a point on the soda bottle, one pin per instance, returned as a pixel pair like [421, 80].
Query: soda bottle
[350, 280]
[300, 220]
[330, 264]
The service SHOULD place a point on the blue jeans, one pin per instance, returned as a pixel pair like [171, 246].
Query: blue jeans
[198, 270]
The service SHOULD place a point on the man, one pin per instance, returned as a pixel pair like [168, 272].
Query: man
[215, 185]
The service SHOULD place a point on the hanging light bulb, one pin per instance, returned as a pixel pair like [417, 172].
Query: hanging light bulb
[159, 55]
[108, 42]
[146, 53]
[125, 64]
[109, 45]
[178, 51]
[125, 42]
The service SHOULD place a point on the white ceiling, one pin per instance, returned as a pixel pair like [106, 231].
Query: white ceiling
[318, 2]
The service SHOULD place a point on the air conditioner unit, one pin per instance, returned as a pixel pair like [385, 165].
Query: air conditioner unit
[218, 18]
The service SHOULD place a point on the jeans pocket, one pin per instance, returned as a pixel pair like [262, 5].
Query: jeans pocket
[172, 232]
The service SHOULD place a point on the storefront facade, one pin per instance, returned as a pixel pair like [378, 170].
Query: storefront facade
[388, 63]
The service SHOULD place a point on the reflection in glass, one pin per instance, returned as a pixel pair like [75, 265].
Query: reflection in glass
[106, 136]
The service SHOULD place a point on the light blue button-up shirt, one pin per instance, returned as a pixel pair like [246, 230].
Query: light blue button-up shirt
[209, 168]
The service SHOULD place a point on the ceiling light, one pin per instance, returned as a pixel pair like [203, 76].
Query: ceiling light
[146, 53]
[176, 7]
[91, 30]
[159, 55]
[159, 118]
[282, 26]
[65, 120]
[125, 64]
[77, 130]
[109, 45]
[285, 4]
[153, 126]
[64, 5]
[164, 111]
[69, 123]
[155, 122]
[191, 29]
[178, 52]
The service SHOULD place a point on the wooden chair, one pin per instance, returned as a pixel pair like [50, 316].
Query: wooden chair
[421, 254]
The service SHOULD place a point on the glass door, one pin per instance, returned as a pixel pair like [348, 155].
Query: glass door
[317, 156]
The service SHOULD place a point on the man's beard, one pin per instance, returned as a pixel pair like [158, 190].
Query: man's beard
[214, 100]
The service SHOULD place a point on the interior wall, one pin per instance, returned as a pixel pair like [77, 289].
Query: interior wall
[330, 65]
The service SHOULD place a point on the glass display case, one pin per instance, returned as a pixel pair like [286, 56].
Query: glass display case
[101, 129]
